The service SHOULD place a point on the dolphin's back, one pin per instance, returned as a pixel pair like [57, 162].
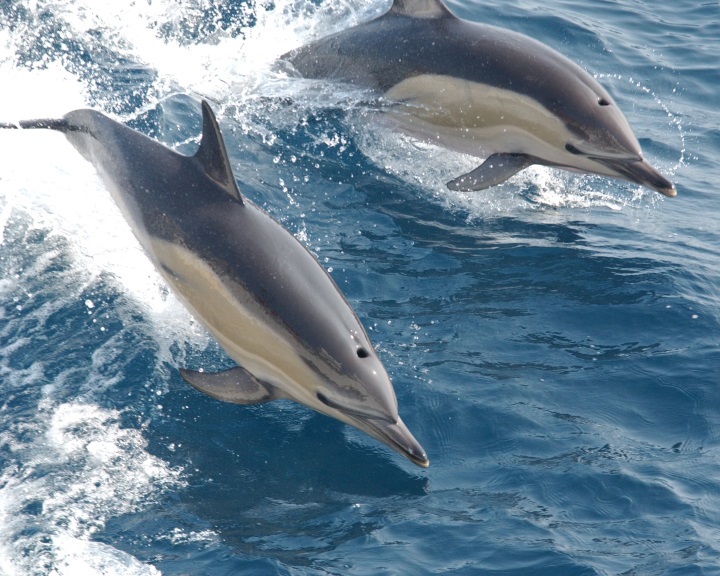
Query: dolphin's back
[173, 200]
[394, 47]
[257, 289]
[145, 178]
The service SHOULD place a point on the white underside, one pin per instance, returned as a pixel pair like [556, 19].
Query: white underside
[239, 327]
[480, 120]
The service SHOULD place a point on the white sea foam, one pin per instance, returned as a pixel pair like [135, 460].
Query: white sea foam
[75, 465]
[80, 468]
[45, 179]
[71, 465]
[76, 556]
[190, 46]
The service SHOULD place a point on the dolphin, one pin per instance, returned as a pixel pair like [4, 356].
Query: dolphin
[483, 91]
[260, 293]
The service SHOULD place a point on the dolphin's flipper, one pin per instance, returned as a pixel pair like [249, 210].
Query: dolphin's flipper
[235, 385]
[213, 156]
[496, 169]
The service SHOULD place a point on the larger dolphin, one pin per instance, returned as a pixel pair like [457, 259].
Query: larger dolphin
[484, 91]
[260, 293]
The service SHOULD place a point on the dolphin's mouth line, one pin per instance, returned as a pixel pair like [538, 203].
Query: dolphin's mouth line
[390, 432]
[640, 172]
[632, 167]
[605, 157]
[357, 414]
[383, 432]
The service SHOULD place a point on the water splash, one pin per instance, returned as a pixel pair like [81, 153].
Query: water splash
[674, 121]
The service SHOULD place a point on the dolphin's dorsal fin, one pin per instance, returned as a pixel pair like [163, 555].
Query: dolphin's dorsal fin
[212, 154]
[421, 8]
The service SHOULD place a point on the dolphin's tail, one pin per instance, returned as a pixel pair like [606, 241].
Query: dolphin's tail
[59, 124]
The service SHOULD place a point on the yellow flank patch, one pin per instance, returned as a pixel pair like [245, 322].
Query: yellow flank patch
[244, 330]
[479, 110]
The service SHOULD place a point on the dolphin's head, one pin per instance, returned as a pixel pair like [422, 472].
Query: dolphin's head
[600, 133]
[355, 388]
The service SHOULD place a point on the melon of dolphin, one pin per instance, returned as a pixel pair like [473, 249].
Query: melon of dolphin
[261, 294]
[484, 91]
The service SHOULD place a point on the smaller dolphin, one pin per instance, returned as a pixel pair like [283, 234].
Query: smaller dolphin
[258, 291]
[483, 91]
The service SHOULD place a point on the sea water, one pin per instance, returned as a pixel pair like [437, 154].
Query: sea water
[553, 341]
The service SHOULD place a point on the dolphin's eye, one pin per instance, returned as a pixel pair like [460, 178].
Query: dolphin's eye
[603, 102]
[572, 149]
[323, 398]
[362, 353]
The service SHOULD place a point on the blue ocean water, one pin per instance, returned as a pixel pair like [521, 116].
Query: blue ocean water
[554, 342]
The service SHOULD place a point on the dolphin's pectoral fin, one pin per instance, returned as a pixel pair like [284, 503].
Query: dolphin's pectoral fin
[495, 170]
[235, 385]
[212, 154]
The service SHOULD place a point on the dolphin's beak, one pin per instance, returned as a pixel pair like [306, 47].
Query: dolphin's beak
[396, 436]
[640, 172]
